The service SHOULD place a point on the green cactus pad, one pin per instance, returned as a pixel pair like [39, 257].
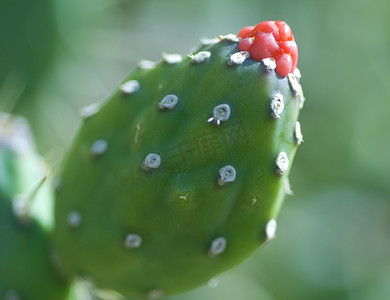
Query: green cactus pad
[26, 271]
[181, 174]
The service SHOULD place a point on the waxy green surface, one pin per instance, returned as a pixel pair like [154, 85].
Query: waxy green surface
[26, 269]
[179, 208]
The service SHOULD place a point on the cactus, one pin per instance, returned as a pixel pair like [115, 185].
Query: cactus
[26, 271]
[181, 174]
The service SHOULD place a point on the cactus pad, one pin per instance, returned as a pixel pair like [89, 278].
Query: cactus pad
[181, 174]
[26, 271]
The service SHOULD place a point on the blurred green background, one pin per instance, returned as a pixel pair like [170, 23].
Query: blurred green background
[333, 238]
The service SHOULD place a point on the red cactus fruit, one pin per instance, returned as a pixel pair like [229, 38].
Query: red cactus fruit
[271, 39]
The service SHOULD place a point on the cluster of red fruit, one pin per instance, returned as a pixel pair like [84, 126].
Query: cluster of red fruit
[271, 39]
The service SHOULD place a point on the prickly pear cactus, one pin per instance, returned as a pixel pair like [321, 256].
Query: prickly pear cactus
[182, 172]
[26, 272]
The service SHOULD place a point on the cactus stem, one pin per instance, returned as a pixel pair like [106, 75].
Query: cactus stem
[147, 64]
[221, 113]
[281, 163]
[298, 134]
[218, 246]
[277, 106]
[186, 130]
[151, 161]
[132, 240]
[98, 148]
[74, 219]
[269, 63]
[89, 110]
[227, 174]
[230, 37]
[171, 58]
[130, 87]
[200, 57]
[270, 229]
[238, 58]
[168, 102]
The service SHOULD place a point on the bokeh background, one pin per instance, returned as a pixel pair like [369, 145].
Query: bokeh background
[333, 238]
